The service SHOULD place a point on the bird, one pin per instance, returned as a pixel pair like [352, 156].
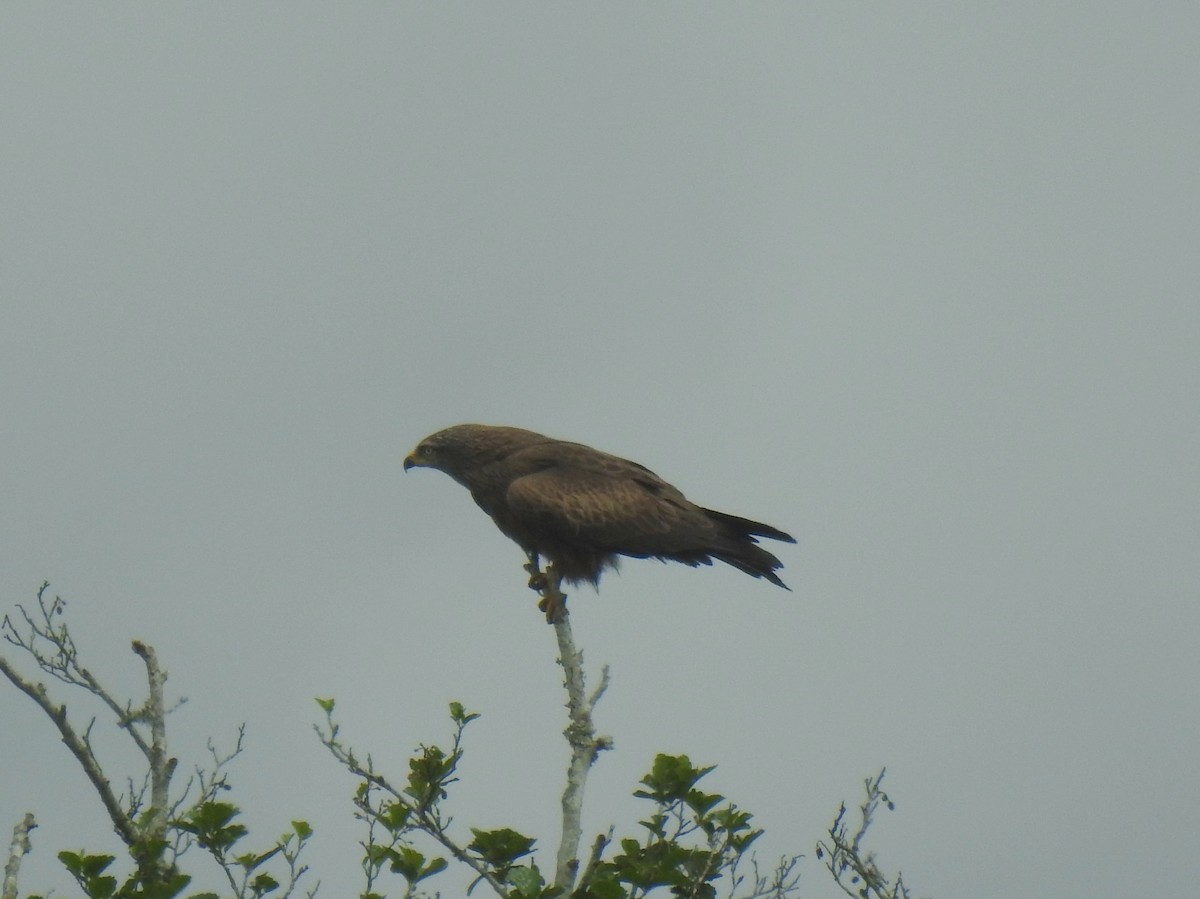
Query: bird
[581, 509]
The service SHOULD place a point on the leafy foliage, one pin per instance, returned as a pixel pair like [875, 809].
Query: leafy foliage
[692, 843]
[692, 840]
[214, 828]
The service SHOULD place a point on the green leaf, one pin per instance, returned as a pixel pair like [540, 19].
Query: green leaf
[428, 775]
[81, 865]
[148, 850]
[460, 715]
[302, 830]
[263, 884]
[326, 705]
[407, 862]
[603, 889]
[659, 864]
[212, 815]
[101, 887]
[395, 815]
[528, 882]
[411, 864]
[435, 866]
[742, 843]
[265, 857]
[175, 884]
[88, 871]
[502, 847]
[210, 823]
[702, 803]
[656, 824]
[671, 779]
[377, 855]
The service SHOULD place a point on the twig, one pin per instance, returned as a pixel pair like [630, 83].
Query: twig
[63, 661]
[598, 846]
[18, 848]
[428, 822]
[844, 854]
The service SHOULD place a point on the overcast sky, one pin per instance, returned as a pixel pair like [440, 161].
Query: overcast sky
[914, 282]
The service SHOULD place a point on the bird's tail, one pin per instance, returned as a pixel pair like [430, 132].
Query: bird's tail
[738, 547]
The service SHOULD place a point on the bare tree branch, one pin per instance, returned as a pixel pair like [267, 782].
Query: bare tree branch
[161, 767]
[598, 846]
[79, 748]
[17, 849]
[580, 731]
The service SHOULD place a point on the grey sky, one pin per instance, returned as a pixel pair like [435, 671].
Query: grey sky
[916, 283]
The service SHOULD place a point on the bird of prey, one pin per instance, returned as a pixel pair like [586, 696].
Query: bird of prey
[581, 508]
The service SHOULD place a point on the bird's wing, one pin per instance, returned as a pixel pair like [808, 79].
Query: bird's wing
[609, 506]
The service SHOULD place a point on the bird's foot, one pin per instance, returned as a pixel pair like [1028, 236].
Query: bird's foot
[537, 577]
[554, 604]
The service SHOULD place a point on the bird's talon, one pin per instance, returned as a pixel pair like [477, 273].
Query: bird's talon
[555, 607]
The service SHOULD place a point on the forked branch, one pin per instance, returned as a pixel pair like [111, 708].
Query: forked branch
[46, 638]
[79, 747]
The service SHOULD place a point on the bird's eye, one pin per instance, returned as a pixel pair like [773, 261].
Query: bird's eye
[425, 450]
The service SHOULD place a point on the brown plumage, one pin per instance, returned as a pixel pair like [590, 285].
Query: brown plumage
[581, 508]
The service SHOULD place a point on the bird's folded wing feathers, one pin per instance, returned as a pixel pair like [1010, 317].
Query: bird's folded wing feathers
[613, 512]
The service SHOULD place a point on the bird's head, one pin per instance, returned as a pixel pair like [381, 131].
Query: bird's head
[462, 449]
[447, 450]
[425, 454]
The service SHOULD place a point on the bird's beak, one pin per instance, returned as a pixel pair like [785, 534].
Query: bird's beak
[410, 461]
